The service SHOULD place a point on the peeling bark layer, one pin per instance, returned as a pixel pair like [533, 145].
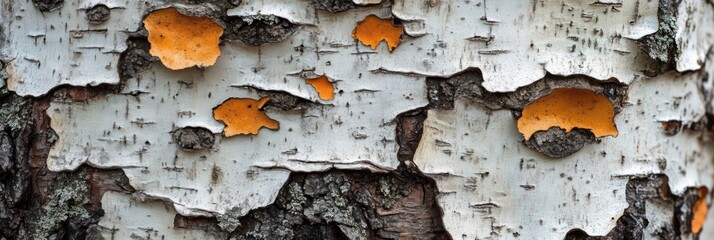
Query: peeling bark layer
[37, 203]
[654, 212]
[416, 138]
[484, 174]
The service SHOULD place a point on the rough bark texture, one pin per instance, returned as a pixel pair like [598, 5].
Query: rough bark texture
[418, 188]
[632, 225]
[37, 203]
[40, 204]
[348, 205]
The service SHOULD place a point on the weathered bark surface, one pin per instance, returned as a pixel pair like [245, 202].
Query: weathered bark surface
[37, 203]
[636, 224]
[99, 140]
[40, 204]
[352, 205]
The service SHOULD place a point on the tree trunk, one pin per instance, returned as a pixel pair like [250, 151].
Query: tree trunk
[265, 119]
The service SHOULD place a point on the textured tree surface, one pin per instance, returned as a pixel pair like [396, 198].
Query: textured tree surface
[356, 119]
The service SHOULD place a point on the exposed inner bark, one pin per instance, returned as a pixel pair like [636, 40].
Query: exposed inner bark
[48, 5]
[556, 142]
[335, 5]
[193, 138]
[135, 58]
[443, 91]
[332, 205]
[258, 30]
[37, 203]
[284, 101]
[553, 142]
[348, 205]
[661, 45]
[409, 129]
[98, 14]
[641, 191]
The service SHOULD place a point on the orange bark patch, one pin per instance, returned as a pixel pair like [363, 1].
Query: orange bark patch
[373, 30]
[700, 210]
[323, 86]
[569, 108]
[182, 41]
[243, 116]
